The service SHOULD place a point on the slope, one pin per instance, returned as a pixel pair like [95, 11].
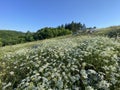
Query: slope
[112, 31]
[69, 62]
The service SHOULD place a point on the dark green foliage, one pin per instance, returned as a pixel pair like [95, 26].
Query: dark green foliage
[74, 26]
[114, 33]
[29, 36]
[0, 42]
[10, 37]
[51, 32]
[14, 37]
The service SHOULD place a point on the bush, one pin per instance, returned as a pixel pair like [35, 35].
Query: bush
[114, 33]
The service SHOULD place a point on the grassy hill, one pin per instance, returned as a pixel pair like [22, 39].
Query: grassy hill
[112, 31]
[68, 62]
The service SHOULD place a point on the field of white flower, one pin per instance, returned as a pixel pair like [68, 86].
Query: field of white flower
[69, 63]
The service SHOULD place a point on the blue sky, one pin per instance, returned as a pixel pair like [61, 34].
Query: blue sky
[24, 15]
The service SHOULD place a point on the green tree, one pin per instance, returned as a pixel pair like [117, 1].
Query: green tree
[83, 27]
[74, 26]
[29, 36]
[51, 32]
[0, 42]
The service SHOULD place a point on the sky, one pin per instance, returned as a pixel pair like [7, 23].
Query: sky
[32, 15]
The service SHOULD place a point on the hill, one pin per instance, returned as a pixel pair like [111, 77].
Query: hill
[62, 63]
[14, 37]
[10, 33]
[112, 31]
[10, 37]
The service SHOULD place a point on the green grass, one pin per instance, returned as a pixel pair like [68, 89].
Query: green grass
[106, 31]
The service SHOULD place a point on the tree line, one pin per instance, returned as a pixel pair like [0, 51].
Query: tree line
[14, 37]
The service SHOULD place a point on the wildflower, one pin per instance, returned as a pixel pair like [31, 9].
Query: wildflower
[15, 67]
[91, 71]
[103, 84]
[11, 73]
[28, 67]
[89, 88]
[84, 74]
[9, 84]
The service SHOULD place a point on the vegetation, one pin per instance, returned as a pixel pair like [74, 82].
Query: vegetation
[0, 42]
[51, 32]
[112, 31]
[14, 37]
[61, 63]
[10, 37]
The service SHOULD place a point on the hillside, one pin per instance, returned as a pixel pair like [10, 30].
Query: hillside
[112, 31]
[10, 33]
[14, 37]
[10, 37]
[62, 63]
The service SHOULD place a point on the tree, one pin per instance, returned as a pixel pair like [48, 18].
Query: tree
[74, 26]
[29, 36]
[52, 32]
[94, 27]
[83, 27]
[0, 42]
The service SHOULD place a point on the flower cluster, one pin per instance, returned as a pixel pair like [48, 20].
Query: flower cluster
[76, 63]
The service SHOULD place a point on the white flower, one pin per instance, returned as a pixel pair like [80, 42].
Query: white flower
[90, 71]
[113, 80]
[26, 84]
[104, 84]
[9, 84]
[11, 73]
[83, 73]
[28, 67]
[89, 88]
[60, 83]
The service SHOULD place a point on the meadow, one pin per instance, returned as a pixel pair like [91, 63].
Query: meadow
[62, 63]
